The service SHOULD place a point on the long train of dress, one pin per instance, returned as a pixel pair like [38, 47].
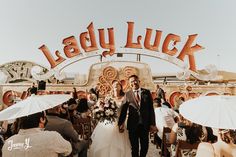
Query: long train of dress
[107, 141]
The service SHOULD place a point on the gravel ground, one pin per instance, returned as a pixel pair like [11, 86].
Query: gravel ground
[153, 151]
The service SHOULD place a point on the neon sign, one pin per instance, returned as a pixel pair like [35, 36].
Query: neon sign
[89, 44]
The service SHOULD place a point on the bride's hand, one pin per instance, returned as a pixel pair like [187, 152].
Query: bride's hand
[122, 128]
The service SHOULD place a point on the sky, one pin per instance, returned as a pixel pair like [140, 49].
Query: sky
[28, 24]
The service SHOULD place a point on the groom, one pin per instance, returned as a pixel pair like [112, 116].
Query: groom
[141, 117]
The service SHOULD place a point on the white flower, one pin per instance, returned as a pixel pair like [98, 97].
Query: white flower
[107, 112]
[96, 110]
[111, 113]
[106, 109]
[106, 105]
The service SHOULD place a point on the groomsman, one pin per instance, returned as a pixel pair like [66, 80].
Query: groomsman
[141, 117]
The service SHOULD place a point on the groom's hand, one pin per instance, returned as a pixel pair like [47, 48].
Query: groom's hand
[153, 129]
[121, 128]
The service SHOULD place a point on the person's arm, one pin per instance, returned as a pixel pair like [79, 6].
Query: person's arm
[122, 116]
[151, 109]
[176, 119]
[60, 145]
[173, 135]
[205, 149]
[70, 132]
[153, 127]
[175, 115]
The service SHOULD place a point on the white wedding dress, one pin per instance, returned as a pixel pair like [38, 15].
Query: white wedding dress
[107, 141]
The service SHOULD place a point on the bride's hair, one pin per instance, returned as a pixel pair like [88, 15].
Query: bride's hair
[122, 93]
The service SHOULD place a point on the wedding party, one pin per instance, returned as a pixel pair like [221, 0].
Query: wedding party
[85, 78]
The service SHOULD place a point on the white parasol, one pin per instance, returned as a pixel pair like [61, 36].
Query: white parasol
[212, 111]
[32, 104]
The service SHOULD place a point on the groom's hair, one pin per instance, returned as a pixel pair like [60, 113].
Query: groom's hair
[31, 121]
[133, 76]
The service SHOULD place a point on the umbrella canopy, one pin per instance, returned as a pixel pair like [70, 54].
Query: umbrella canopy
[212, 111]
[33, 104]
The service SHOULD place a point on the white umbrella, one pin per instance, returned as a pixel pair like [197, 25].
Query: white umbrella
[33, 104]
[212, 111]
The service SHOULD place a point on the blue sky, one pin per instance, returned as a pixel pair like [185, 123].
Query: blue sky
[28, 24]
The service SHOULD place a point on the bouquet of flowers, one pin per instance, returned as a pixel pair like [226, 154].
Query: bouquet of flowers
[106, 109]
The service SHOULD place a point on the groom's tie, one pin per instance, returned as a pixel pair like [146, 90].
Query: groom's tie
[137, 97]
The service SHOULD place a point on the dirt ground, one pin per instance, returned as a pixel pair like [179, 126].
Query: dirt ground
[153, 151]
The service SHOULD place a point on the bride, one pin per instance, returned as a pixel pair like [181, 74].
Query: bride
[107, 141]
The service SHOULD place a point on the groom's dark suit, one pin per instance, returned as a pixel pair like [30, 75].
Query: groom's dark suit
[140, 117]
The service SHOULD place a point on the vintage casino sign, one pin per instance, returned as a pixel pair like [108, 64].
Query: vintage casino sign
[88, 45]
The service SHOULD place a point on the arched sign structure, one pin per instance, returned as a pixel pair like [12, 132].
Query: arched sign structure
[138, 46]
[143, 47]
[36, 71]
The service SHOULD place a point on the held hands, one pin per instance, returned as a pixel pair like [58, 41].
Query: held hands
[153, 129]
[122, 128]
